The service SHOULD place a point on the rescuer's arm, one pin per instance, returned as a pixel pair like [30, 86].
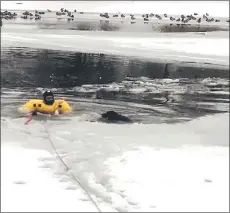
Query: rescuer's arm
[30, 116]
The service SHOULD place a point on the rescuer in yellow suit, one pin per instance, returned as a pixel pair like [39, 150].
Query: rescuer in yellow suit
[46, 106]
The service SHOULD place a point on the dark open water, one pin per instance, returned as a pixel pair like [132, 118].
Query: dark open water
[139, 88]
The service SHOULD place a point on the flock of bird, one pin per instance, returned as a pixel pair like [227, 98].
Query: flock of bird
[182, 19]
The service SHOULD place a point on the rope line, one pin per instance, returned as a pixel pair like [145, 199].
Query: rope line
[68, 169]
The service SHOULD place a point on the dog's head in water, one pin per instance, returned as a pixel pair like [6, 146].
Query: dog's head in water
[112, 116]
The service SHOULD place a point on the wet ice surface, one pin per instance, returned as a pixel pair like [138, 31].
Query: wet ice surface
[175, 157]
[189, 48]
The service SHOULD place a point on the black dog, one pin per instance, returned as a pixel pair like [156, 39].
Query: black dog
[111, 116]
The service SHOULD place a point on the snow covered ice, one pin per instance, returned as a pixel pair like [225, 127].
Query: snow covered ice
[190, 162]
[28, 185]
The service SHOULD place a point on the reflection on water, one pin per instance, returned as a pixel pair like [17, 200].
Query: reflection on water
[25, 67]
[136, 87]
